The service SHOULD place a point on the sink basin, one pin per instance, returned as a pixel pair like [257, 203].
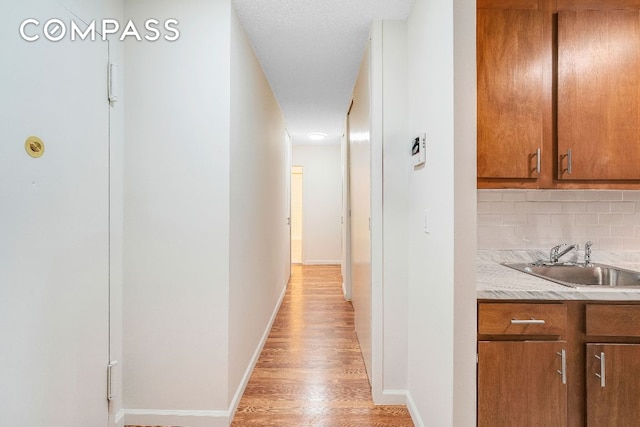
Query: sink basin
[580, 276]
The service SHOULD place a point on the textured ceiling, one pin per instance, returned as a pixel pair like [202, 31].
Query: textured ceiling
[310, 51]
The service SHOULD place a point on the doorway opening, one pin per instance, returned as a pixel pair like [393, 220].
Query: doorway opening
[296, 214]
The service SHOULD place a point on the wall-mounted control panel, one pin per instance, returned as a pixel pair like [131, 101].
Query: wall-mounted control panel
[419, 150]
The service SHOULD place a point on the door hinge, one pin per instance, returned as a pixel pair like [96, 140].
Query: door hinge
[112, 70]
[110, 392]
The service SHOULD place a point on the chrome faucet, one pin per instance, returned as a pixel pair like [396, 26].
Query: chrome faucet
[587, 253]
[555, 253]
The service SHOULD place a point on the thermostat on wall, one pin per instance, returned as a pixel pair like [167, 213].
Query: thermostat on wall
[419, 150]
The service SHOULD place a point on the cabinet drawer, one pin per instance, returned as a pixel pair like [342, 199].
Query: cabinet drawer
[521, 319]
[613, 320]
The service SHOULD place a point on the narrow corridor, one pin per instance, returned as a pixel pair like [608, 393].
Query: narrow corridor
[311, 372]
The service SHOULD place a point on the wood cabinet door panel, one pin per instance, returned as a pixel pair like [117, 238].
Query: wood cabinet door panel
[511, 56]
[616, 402]
[599, 94]
[519, 384]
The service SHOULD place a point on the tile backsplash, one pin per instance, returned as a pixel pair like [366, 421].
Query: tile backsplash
[540, 219]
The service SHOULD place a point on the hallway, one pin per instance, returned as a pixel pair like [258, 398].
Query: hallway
[311, 372]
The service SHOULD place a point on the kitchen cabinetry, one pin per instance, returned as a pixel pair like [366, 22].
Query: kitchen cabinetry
[612, 369]
[558, 94]
[599, 95]
[563, 363]
[613, 388]
[510, 92]
[521, 365]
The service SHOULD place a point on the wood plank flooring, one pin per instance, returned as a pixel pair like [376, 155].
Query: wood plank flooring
[311, 372]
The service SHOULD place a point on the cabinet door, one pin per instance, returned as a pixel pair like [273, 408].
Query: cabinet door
[511, 55]
[521, 384]
[599, 95]
[613, 385]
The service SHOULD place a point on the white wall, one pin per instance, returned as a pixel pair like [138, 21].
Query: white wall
[442, 320]
[396, 159]
[259, 234]
[381, 300]
[322, 202]
[176, 268]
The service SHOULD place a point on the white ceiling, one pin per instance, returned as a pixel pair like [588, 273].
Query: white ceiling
[310, 51]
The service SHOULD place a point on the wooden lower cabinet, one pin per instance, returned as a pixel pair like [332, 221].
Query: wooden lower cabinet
[520, 383]
[521, 347]
[613, 385]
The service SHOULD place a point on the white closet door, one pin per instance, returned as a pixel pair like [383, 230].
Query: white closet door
[360, 194]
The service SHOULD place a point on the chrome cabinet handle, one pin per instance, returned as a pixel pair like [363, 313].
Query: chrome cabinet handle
[563, 369]
[602, 374]
[569, 161]
[527, 322]
[538, 161]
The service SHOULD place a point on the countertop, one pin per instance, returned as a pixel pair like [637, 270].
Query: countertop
[495, 281]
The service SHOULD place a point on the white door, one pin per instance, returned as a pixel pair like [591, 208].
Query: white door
[360, 195]
[345, 261]
[54, 225]
[296, 214]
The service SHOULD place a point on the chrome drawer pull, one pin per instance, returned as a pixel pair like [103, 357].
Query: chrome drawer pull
[602, 374]
[531, 321]
[563, 371]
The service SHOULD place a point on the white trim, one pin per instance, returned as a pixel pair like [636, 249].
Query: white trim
[413, 411]
[344, 291]
[321, 262]
[195, 418]
[377, 257]
[254, 360]
[394, 397]
[119, 419]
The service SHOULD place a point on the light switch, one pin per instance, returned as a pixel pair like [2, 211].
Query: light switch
[426, 226]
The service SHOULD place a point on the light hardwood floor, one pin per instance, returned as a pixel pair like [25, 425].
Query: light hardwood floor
[311, 372]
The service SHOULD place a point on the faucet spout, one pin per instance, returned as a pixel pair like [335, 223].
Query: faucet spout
[556, 253]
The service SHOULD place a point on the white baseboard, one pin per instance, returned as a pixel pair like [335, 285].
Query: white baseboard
[320, 262]
[413, 411]
[344, 292]
[254, 360]
[159, 417]
[394, 397]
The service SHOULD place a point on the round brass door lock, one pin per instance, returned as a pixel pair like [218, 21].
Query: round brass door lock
[34, 147]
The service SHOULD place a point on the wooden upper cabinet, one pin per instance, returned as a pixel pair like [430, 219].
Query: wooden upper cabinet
[511, 55]
[599, 95]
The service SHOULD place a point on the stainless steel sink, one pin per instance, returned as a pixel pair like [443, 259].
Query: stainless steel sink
[575, 275]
